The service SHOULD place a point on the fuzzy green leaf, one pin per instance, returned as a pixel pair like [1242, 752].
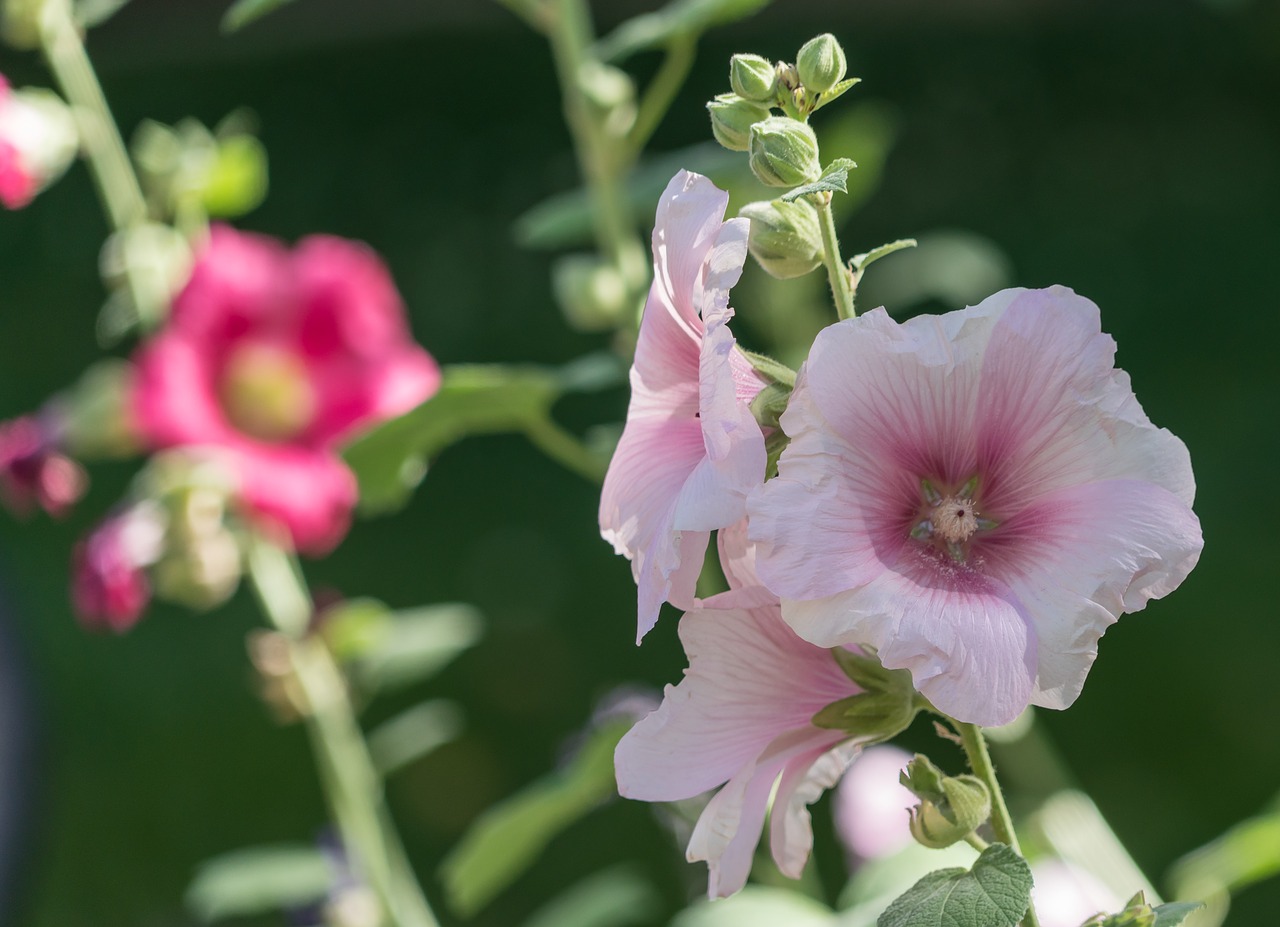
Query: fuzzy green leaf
[994, 893]
[1175, 912]
[834, 179]
[860, 261]
[258, 880]
[680, 18]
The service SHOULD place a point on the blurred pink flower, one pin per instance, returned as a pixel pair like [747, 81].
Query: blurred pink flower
[691, 449]
[33, 471]
[871, 804]
[978, 495]
[109, 586]
[270, 360]
[741, 719]
[37, 141]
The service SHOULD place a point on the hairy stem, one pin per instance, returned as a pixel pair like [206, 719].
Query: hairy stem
[837, 273]
[352, 785]
[975, 748]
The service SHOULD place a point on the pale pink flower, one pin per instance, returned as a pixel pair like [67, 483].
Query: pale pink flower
[109, 586]
[37, 141]
[270, 360]
[978, 495]
[741, 719]
[34, 471]
[691, 449]
[871, 804]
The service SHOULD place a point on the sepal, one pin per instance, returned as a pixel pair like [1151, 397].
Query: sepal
[951, 807]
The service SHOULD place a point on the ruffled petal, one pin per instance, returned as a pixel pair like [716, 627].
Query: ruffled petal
[803, 781]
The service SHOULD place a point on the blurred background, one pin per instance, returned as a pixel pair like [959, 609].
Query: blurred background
[1130, 151]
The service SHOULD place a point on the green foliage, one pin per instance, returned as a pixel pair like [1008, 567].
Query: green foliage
[678, 19]
[243, 12]
[1247, 853]
[860, 261]
[237, 180]
[388, 650]
[90, 13]
[391, 460]
[1137, 913]
[413, 733]
[258, 880]
[951, 807]
[994, 893]
[834, 178]
[757, 906]
[509, 836]
[617, 897]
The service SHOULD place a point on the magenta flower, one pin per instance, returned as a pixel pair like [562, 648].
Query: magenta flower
[269, 361]
[37, 141]
[34, 471]
[691, 449]
[741, 719]
[978, 495]
[109, 586]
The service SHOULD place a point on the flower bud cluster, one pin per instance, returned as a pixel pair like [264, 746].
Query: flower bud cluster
[951, 807]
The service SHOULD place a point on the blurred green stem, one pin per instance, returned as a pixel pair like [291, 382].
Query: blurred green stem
[661, 92]
[351, 781]
[975, 748]
[113, 175]
[837, 273]
[603, 158]
[565, 448]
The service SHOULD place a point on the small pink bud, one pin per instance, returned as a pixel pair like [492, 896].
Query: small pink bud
[33, 471]
[109, 586]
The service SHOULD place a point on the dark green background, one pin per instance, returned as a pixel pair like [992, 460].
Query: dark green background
[1129, 150]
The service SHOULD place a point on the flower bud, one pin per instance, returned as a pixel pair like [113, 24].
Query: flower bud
[732, 118]
[33, 470]
[109, 587]
[20, 22]
[784, 152]
[821, 63]
[752, 78]
[951, 807]
[37, 141]
[591, 292]
[93, 418]
[785, 237]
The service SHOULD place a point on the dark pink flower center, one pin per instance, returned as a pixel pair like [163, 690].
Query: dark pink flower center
[950, 520]
[266, 393]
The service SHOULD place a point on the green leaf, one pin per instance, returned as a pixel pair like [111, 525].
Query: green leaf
[835, 178]
[565, 220]
[860, 261]
[508, 837]
[90, 13]
[835, 92]
[416, 644]
[757, 906]
[391, 460]
[770, 369]
[1175, 912]
[616, 897]
[1247, 853]
[994, 893]
[243, 12]
[258, 880]
[413, 734]
[680, 18]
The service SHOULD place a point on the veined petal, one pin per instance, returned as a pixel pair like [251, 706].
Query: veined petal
[803, 781]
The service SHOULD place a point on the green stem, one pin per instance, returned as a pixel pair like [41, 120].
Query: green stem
[975, 748]
[565, 448]
[661, 91]
[352, 784]
[602, 157]
[837, 274]
[113, 175]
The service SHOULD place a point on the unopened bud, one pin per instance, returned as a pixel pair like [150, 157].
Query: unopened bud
[612, 93]
[951, 807]
[784, 152]
[20, 22]
[38, 139]
[732, 118]
[821, 63]
[787, 75]
[591, 292]
[752, 78]
[785, 237]
[93, 418]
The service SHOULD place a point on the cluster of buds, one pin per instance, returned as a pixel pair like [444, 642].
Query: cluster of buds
[783, 150]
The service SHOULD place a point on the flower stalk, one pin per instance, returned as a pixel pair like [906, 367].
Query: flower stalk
[352, 784]
[975, 748]
[113, 174]
[837, 274]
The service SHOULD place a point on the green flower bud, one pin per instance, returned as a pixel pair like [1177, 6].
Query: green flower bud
[785, 237]
[752, 78]
[951, 807]
[784, 152]
[20, 22]
[591, 292]
[821, 63]
[732, 118]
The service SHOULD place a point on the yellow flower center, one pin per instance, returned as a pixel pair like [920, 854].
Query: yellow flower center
[266, 393]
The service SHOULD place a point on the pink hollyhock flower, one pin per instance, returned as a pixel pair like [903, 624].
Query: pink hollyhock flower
[37, 141]
[741, 719]
[871, 805]
[978, 496]
[109, 586]
[269, 361]
[691, 449]
[33, 471]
